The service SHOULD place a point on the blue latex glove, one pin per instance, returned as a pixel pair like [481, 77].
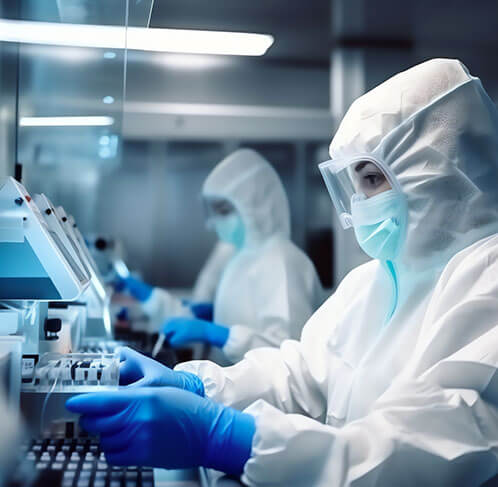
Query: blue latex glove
[137, 288]
[137, 370]
[182, 331]
[166, 427]
[202, 310]
[119, 284]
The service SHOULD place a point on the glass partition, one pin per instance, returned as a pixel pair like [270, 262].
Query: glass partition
[62, 99]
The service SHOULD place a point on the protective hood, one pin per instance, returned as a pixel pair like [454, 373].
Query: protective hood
[250, 183]
[436, 129]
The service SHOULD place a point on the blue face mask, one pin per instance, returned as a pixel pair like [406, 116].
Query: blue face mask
[380, 224]
[230, 229]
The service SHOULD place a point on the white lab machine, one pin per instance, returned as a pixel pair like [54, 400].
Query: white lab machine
[34, 263]
[96, 297]
[35, 267]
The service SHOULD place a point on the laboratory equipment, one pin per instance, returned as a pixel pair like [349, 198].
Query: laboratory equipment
[48, 381]
[49, 292]
[97, 297]
[107, 253]
[34, 263]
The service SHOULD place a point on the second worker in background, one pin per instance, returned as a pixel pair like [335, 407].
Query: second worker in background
[269, 287]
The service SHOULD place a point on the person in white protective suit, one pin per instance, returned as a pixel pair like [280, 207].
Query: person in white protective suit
[394, 380]
[269, 287]
[204, 290]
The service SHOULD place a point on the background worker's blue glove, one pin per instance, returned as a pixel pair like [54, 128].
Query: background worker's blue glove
[182, 331]
[137, 288]
[137, 370]
[166, 427]
[202, 310]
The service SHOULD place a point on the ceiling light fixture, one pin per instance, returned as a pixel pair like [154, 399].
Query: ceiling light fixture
[136, 38]
[92, 121]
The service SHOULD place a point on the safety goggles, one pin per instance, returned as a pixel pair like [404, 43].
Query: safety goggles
[216, 208]
[357, 178]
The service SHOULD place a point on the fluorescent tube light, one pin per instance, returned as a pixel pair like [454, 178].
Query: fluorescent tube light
[198, 41]
[136, 38]
[66, 121]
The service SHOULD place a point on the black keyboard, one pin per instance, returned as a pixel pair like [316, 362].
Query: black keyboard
[74, 463]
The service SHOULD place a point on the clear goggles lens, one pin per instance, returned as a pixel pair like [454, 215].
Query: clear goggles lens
[358, 178]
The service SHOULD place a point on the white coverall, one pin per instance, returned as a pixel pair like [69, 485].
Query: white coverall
[269, 288]
[410, 400]
[210, 275]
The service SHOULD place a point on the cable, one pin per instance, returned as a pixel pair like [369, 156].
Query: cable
[47, 397]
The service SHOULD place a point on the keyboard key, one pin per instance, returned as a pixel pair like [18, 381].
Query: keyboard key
[57, 466]
[87, 466]
[115, 483]
[101, 466]
[85, 474]
[147, 475]
[99, 483]
[83, 483]
[72, 466]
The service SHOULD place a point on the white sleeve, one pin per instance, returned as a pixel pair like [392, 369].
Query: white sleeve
[286, 290]
[242, 338]
[290, 377]
[162, 305]
[419, 434]
[436, 425]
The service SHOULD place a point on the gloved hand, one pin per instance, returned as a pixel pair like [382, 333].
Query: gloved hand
[137, 370]
[202, 310]
[166, 427]
[137, 288]
[181, 331]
